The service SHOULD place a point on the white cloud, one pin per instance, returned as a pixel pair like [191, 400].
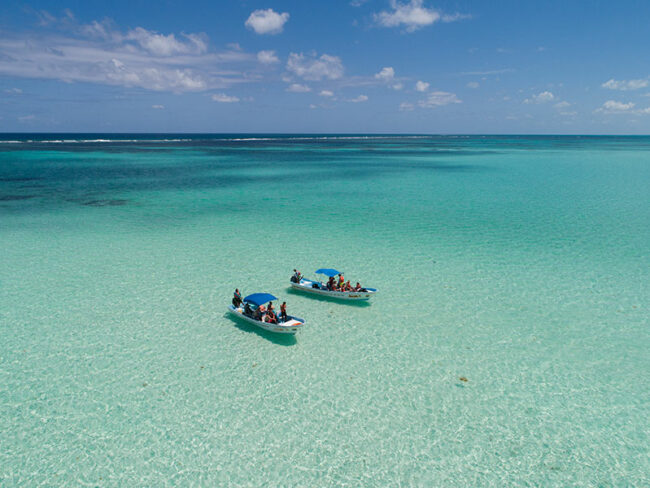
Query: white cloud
[162, 45]
[422, 86]
[488, 72]
[563, 104]
[158, 107]
[26, 118]
[406, 107]
[386, 74]
[298, 88]
[412, 15]
[614, 107]
[313, 68]
[439, 99]
[98, 53]
[360, 98]
[223, 98]
[267, 57]
[543, 97]
[13, 91]
[472, 84]
[267, 21]
[625, 85]
[312, 106]
[454, 17]
[326, 93]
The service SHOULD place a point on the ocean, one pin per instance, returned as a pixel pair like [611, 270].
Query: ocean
[507, 345]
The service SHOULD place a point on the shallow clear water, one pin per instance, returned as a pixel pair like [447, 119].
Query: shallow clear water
[521, 264]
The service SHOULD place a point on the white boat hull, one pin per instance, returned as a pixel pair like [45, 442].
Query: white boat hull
[308, 286]
[291, 326]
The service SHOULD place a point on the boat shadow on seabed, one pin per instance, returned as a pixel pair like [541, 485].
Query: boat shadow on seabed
[279, 339]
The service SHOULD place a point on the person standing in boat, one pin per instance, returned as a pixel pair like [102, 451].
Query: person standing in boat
[283, 312]
[341, 281]
[237, 299]
[296, 276]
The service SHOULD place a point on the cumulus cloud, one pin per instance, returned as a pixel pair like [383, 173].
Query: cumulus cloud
[326, 93]
[625, 85]
[439, 99]
[472, 84]
[298, 88]
[13, 91]
[406, 107]
[360, 98]
[315, 68]
[267, 57]
[614, 107]
[421, 86]
[223, 98]
[99, 53]
[386, 74]
[158, 107]
[563, 104]
[413, 16]
[543, 97]
[267, 21]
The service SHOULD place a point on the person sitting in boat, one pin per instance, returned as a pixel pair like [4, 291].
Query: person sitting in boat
[259, 314]
[270, 314]
[296, 276]
[236, 299]
[283, 312]
[271, 317]
[348, 286]
[248, 310]
[331, 285]
[358, 287]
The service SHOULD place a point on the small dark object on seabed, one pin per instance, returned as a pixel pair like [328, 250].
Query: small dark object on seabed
[11, 198]
[105, 203]
[462, 378]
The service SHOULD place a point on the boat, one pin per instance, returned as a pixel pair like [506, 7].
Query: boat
[246, 311]
[319, 288]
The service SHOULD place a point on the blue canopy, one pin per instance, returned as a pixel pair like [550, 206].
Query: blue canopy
[328, 272]
[259, 298]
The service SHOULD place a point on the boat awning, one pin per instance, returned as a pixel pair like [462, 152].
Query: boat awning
[328, 272]
[259, 298]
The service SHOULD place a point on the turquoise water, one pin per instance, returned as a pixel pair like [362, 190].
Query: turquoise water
[520, 264]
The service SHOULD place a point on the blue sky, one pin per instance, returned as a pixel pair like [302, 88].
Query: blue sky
[362, 66]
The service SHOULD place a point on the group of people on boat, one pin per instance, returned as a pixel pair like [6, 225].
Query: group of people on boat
[332, 284]
[342, 285]
[261, 313]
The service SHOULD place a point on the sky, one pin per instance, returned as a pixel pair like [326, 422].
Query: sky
[306, 66]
